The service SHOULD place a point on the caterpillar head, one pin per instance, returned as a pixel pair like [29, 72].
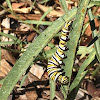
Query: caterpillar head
[65, 80]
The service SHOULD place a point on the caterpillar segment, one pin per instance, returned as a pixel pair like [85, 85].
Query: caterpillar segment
[58, 59]
[60, 54]
[64, 38]
[63, 79]
[62, 47]
[55, 72]
[53, 61]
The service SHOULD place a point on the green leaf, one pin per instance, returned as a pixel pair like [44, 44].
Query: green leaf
[8, 43]
[94, 3]
[9, 4]
[1, 81]
[74, 92]
[44, 15]
[37, 22]
[52, 89]
[11, 37]
[85, 27]
[95, 0]
[74, 37]
[76, 81]
[94, 33]
[64, 6]
[83, 50]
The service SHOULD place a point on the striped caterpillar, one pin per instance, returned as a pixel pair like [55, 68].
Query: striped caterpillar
[54, 64]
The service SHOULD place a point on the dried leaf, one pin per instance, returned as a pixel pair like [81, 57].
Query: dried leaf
[52, 13]
[37, 70]
[5, 68]
[8, 56]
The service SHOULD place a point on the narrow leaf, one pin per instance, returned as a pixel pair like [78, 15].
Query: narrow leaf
[94, 33]
[76, 81]
[52, 89]
[64, 6]
[9, 4]
[74, 37]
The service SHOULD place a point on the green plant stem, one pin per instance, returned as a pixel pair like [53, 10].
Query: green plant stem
[94, 33]
[52, 89]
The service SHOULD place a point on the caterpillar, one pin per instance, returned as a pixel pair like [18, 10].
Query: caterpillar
[55, 72]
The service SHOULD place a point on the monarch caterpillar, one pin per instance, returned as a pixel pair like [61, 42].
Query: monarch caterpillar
[54, 70]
